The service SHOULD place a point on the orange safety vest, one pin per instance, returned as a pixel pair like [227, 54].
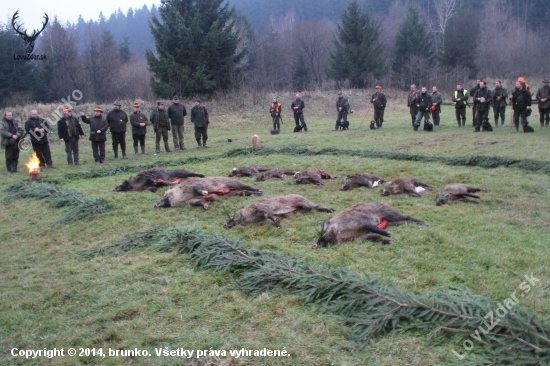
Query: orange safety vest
[275, 108]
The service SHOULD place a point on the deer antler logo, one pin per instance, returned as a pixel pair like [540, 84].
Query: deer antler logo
[29, 40]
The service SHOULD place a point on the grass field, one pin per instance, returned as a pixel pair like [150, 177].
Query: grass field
[52, 297]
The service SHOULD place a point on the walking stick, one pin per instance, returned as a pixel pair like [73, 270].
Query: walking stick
[366, 114]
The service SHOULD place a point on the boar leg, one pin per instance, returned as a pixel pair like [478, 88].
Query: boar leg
[376, 238]
[470, 195]
[399, 219]
[324, 209]
[198, 202]
[373, 228]
[424, 185]
[413, 194]
[464, 199]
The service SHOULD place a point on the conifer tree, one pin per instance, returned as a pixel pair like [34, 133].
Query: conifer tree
[196, 47]
[413, 54]
[358, 50]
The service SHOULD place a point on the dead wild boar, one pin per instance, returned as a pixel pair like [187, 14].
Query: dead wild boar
[458, 192]
[247, 171]
[363, 220]
[196, 191]
[266, 210]
[274, 173]
[153, 178]
[405, 185]
[312, 176]
[360, 180]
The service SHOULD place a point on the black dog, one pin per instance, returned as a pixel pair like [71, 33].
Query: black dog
[373, 125]
[527, 128]
[298, 128]
[344, 125]
[274, 132]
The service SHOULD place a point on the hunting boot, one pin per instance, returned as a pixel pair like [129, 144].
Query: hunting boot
[336, 126]
[143, 150]
[135, 150]
[8, 168]
[157, 147]
[116, 153]
[378, 125]
[381, 124]
[14, 167]
[204, 143]
[496, 122]
[176, 146]
[182, 147]
[305, 127]
[199, 144]
[166, 147]
[516, 127]
[124, 156]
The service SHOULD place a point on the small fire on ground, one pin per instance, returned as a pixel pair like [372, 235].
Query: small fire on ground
[33, 166]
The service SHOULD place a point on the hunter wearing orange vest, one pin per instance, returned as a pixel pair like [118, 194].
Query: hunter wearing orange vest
[275, 111]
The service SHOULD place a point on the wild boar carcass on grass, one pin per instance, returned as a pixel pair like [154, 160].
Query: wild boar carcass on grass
[274, 173]
[153, 178]
[312, 176]
[409, 186]
[459, 192]
[266, 210]
[363, 220]
[197, 191]
[360, 180]
[247, 171]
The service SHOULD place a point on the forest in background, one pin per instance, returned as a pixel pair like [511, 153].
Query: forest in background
[291, 46]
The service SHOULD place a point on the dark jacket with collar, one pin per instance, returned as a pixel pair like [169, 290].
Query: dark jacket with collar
[117, 120]
[199, 116]
[98, 123]
[38, 138]
[63, 129]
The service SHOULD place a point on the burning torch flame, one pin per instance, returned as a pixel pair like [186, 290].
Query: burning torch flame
[33, 165]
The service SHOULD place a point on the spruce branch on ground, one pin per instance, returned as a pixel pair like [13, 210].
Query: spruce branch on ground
[80, 206]
[367, 307]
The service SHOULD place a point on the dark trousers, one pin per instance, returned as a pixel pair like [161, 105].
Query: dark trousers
[342, 116]
[299, 118]
[474, 113]
[419, 115]
[460, 113]
[44, 154]
[276, 122]
[379, 117]
[544, 115]
[71, 149]
[98, 149]
[413, 109]
[140, 139]
[481, 116]
[162, 132]
[177, 135]
[201, 132]
[119, 138]
[520, 113]
[499, 111]
[12, 158]
[435, 117]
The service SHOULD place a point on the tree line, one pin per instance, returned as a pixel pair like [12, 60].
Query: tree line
[201, 47]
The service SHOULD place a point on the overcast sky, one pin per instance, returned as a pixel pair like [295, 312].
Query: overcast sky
[31, 12]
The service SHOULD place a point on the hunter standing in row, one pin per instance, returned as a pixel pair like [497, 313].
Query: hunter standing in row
[38, 128]
[424, 105]
[521, 103]
[199, 117]
[176, 112]
[543, 96]
[70, 131]
[342, 108]
[472, 93]
[139, 123]
[500, 95]
[378, 101]
[161, 126]
[297, 107]
[275, 111]
[460, 99]
[98, 133]
[437, 99]
[482, 100]
[117, 120]
[412, 104]
[10, 133]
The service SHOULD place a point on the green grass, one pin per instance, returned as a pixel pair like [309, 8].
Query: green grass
[51, 297]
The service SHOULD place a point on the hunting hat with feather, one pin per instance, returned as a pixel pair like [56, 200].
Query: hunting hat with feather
[545, 80]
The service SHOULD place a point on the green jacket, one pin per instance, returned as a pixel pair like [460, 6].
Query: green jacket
[503, 94]
[437, 98]
[542, 93]
[6, 135]
[379, 101]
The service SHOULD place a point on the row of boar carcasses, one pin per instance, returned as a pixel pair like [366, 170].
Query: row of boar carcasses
[363, 220]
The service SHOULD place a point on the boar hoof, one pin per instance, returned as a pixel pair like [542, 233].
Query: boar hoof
[205, 206]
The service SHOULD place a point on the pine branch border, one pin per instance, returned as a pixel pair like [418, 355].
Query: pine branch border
[366, 306]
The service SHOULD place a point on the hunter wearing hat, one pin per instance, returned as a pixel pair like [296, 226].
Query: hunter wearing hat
[98, 133]
[117, 120]
[69, 131]
[460, 99]
[474, 107]
[500, 95]
[543, 96]
[437, 99]
[161, 126]
[139, 123]
[10, 133]
[342, 108]
[379, 101]
[199, 117]
[176, 112]
[275, 111]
